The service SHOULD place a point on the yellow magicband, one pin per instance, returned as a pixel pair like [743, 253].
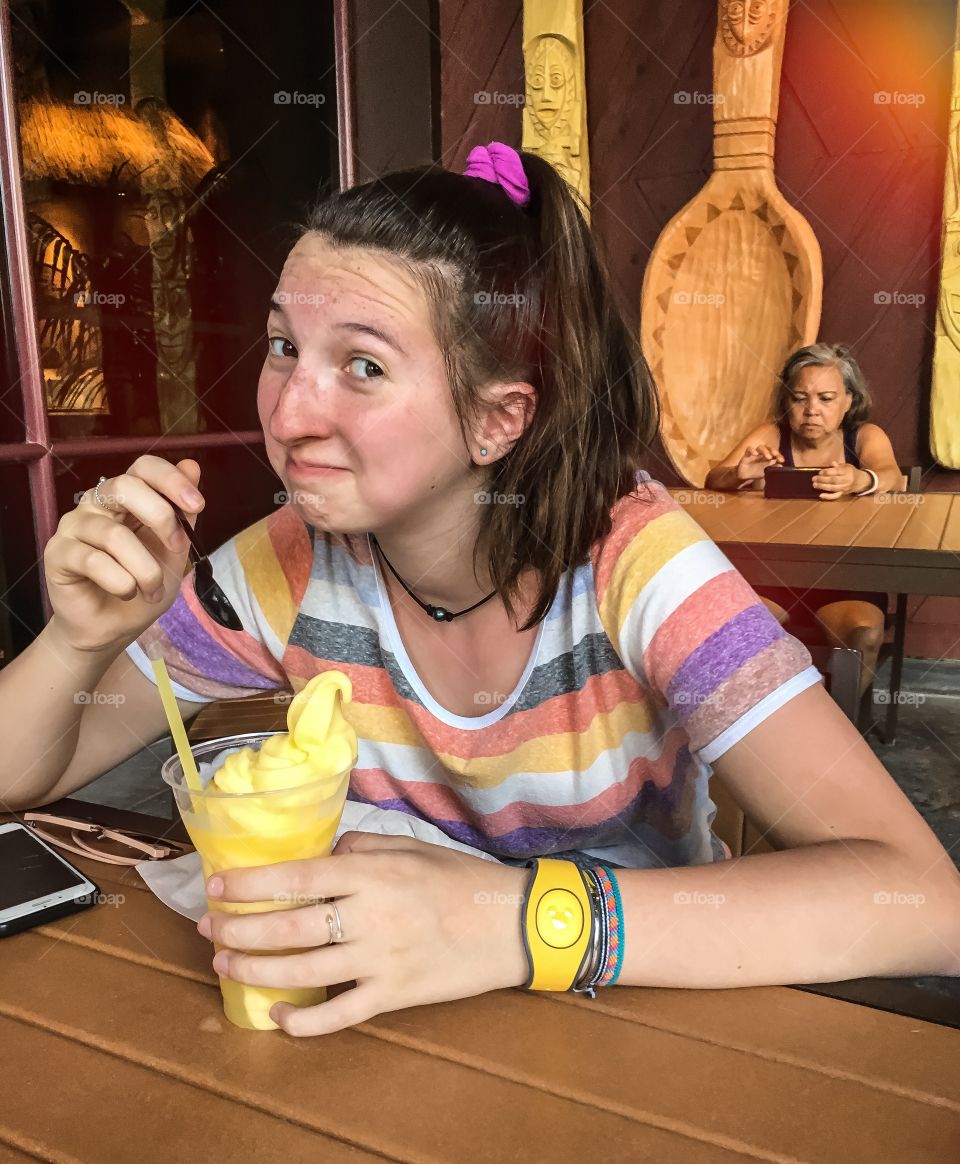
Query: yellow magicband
[558, 925]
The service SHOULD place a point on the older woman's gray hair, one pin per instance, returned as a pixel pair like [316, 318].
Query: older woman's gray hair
[826, 356]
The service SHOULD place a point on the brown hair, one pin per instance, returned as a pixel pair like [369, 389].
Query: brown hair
[519, 293]
[827, 356]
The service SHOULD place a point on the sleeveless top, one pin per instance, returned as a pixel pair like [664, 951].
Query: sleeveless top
[849, 445]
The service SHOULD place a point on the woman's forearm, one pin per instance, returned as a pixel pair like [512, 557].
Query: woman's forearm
[824, 913]
[723, 478]
[43, 694]
[888, 480]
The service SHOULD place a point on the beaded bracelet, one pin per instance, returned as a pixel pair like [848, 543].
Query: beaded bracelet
[605, 965]
[613, 906]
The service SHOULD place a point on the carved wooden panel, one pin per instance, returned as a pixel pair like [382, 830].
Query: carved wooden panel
[734, 282]
[555, 105]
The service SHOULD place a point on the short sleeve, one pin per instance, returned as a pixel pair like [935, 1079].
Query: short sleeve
[689, 627]
[264, 572]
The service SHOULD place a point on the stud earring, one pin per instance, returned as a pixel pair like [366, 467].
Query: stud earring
[483, 452]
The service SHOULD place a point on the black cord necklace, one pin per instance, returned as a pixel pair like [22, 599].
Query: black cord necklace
[437, 613]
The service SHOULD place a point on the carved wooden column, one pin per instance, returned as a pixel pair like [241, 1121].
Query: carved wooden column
[555, 108]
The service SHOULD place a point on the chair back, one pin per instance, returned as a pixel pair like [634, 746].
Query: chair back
[912, 478]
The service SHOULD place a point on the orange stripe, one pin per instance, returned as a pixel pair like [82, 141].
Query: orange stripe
[698, 617]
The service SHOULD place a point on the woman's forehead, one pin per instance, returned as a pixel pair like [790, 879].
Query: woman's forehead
[818, 378]
[351, 277]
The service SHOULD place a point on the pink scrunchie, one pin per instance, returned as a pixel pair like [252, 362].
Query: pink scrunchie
[500, 163]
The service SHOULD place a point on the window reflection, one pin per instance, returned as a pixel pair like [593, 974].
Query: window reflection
[160, 171]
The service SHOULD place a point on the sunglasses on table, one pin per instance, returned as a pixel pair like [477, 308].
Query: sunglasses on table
[111, 846]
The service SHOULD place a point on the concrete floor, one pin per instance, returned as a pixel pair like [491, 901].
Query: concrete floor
[925, 762]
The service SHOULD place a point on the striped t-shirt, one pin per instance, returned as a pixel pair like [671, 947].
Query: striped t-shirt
[655, 657]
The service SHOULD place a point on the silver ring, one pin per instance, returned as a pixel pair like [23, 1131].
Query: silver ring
[98, 499]
[335, 925]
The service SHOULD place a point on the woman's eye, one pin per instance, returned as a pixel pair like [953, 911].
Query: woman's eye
[367, 365]
[278, 346]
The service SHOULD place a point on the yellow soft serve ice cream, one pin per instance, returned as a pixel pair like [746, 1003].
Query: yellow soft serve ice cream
[318, 743]
[298, 767]
[281, 802]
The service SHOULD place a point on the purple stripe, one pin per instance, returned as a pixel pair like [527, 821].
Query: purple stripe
[716, 659]
[186, 633]
[531, 841]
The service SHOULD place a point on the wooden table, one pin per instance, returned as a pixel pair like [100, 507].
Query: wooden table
[906, 543]
[115, 1049]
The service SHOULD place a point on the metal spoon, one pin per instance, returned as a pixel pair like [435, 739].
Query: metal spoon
[209, 594]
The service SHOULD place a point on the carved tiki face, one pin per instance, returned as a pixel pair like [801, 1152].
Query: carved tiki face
[746, 25]
[550, 82]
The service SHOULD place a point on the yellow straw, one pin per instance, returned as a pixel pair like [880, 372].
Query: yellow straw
[177, 730]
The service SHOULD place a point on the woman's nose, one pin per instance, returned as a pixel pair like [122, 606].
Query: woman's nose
[302, 409]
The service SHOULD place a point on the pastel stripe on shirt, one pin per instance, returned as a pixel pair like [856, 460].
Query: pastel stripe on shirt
[700, 653]
[654, 654]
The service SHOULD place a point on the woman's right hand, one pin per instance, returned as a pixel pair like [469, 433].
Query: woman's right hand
[112, 572]
[755, 459]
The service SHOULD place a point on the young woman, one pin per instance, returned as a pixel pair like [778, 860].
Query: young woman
[548, 657]
[823, 407]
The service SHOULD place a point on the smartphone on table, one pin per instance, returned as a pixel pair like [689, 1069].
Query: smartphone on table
[37, 885]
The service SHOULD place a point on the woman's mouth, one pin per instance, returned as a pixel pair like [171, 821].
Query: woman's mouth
[304, 469]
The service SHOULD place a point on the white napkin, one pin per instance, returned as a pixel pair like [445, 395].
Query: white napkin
[179, 883]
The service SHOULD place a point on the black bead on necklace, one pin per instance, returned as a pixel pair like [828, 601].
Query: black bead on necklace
[437, 613]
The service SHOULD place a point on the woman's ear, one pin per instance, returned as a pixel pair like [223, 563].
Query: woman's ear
[510, 409]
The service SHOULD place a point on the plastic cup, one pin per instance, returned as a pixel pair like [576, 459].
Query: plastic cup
[243, 830]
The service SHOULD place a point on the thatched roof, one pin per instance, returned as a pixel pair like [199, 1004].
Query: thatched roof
[150, 149]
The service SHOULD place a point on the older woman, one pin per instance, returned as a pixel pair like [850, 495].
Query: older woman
[822, 405]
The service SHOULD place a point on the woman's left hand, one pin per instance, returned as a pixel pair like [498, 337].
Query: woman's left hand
[421, 924]
[838, 479]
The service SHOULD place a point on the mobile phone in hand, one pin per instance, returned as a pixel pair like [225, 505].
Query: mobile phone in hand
[790, 481]
[37, 885]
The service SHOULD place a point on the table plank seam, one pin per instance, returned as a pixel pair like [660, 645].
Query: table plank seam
[936, 1101]
[124, 955]
[41, 1152]
[636, 1116]
[177, 1073]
